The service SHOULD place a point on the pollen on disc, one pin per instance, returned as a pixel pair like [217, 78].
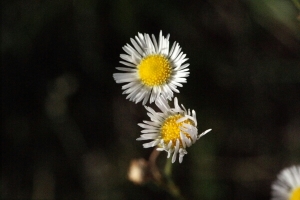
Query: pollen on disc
[154, 70]
[295, 195]
[170, 130]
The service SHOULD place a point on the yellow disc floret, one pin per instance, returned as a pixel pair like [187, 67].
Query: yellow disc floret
[154, 70]
[295, 195]
[170, 129]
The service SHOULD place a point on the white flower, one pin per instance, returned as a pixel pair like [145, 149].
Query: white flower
[152, 70]
[172, 130]
[287, 185]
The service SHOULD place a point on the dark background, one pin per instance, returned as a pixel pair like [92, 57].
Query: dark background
[69, 133]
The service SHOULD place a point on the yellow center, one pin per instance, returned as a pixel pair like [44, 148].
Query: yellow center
[170, 130]
[295, 195]
[154, 70]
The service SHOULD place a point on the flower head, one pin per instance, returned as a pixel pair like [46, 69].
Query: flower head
[152, 70]
[287, 185]
[172, 130]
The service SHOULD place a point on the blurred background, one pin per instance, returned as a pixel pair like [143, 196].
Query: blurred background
[69, 133]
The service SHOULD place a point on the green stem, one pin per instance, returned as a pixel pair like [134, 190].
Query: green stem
[297, 4]
[170, 185]
[168, 167]
[166, 182]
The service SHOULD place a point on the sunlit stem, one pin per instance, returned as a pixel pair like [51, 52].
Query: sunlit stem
[153, 167]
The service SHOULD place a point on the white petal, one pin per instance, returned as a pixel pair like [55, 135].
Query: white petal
[150, 144]
[202, 134]
[175, 151]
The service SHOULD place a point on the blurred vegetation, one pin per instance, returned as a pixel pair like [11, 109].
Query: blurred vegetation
[68, 133]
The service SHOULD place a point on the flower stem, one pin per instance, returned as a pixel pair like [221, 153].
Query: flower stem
[168, 168]
[297, 4]
[164, 181]
[153, 167]
[171, 186]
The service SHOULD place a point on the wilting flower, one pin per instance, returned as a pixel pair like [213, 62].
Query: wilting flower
[287, 185]
[172, 130]
[152, 70]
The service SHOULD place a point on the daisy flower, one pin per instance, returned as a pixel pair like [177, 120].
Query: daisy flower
[172, 130]
[287, 185]
[152, 70]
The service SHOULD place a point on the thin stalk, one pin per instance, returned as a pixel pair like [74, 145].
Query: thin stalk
[164, 181]
[297, 4]
[171, 186]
